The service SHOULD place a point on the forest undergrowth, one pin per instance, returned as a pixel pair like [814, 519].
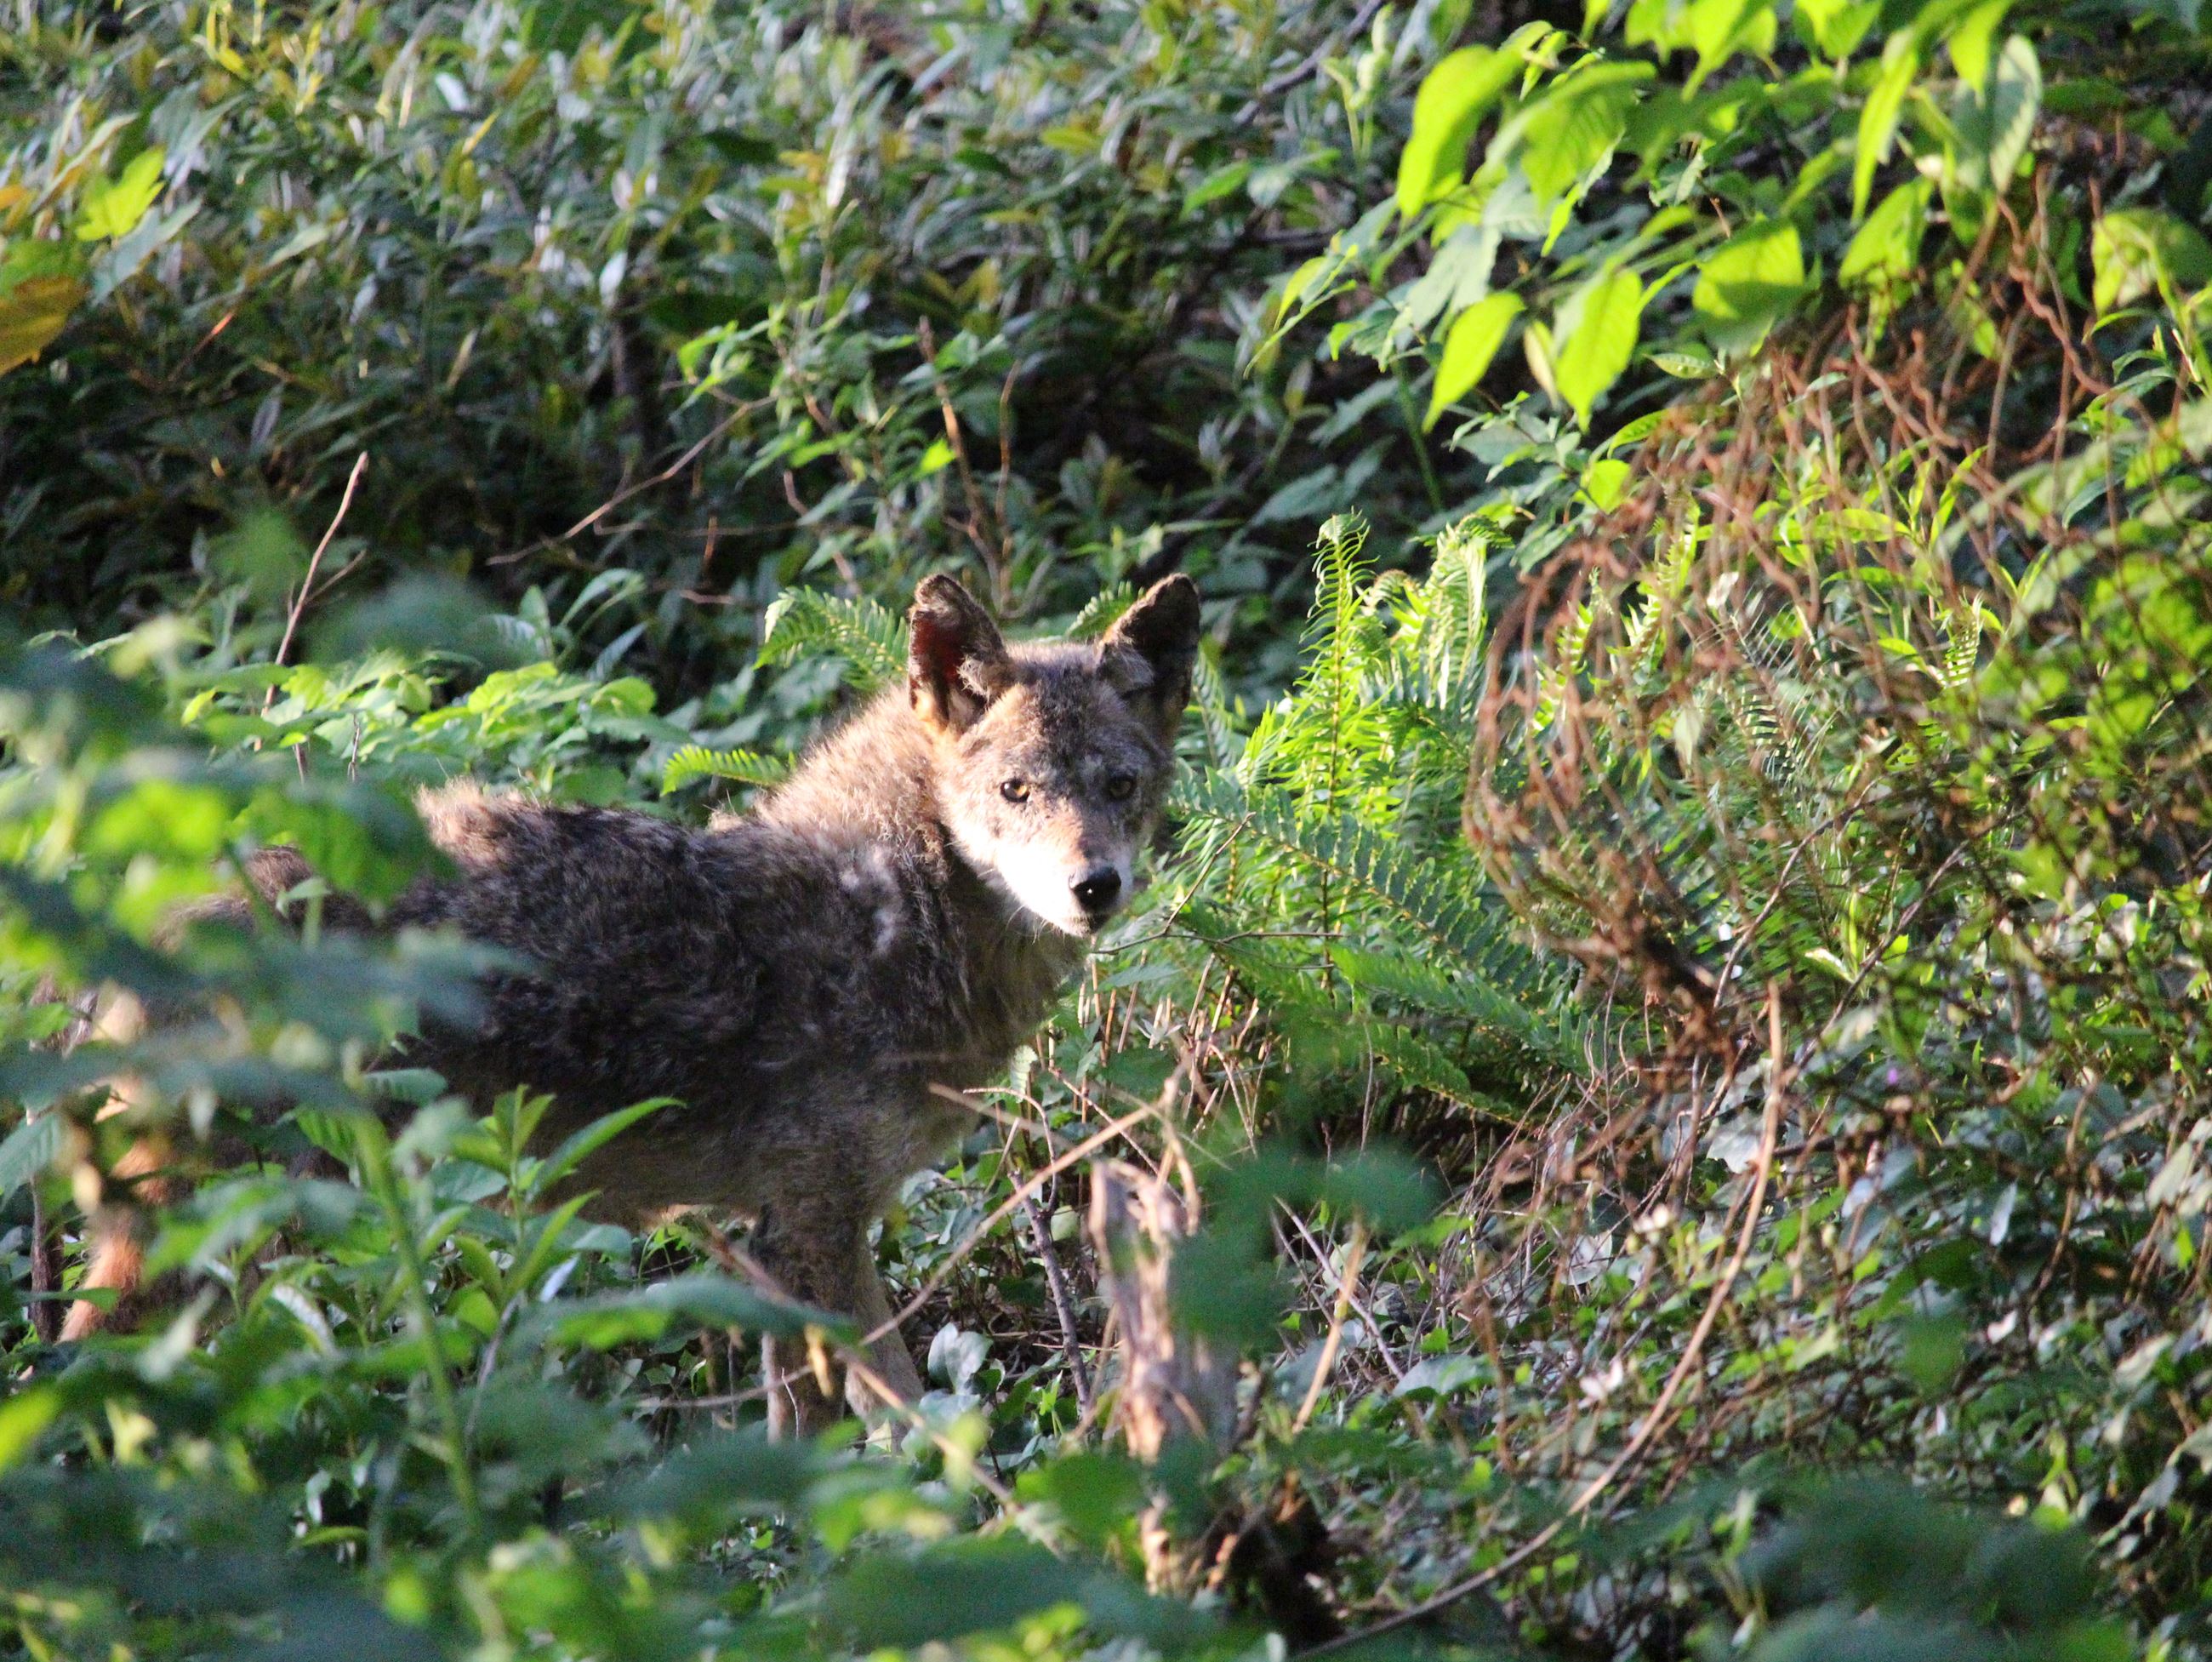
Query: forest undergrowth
[1667, 1036]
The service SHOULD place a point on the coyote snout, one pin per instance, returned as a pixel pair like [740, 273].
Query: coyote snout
[1053, 761]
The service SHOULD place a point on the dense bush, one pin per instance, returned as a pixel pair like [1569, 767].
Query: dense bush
[1677, 994]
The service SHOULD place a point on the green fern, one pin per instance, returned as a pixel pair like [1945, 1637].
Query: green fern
[1101, 612]
[695, 762]
[1407, 887]
[866, 638]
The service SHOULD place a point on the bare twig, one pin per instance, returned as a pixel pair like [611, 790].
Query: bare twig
[1063, 1306]
[314, 561]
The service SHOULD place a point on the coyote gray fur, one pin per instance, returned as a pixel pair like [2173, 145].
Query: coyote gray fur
[897, 917]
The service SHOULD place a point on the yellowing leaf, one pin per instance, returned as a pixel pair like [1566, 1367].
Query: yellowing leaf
[113, 207]
[1596, 338]
[1469, 345]
[32, 313]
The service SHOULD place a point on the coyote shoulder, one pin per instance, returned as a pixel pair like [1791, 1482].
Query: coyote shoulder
[896, 918]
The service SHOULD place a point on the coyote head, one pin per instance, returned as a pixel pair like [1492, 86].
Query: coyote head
[1051, 758]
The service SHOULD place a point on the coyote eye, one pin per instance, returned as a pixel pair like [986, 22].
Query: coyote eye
[1121, 786]
[1015, 790]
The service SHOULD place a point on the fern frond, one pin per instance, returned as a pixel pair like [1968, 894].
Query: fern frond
[1448, 640]
[868, 638]
[1100, 611]
[1345, 850]
[1463, 998]
[695, 762]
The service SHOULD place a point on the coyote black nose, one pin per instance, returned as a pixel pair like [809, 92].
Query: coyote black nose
[1097, 893]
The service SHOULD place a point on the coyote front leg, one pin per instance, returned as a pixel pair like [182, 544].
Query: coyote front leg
[821, 1256]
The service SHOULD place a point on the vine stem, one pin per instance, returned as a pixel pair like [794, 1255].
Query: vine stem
[384, 1183]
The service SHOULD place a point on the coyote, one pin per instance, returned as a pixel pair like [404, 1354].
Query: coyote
[895, 918]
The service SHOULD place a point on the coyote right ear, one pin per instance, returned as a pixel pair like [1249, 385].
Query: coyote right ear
[956, 660]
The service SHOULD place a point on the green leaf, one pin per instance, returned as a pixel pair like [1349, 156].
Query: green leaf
[1574, 127]
[1605, 482]
[22, 1417]
[2135, 250]
[1695, 364]
[581, 1145]
[1994, 126]
[1453, 99]
[1887, 248]
[113, 207]
[867, 636]
[1718, 29]
[1836, 27]
[1749, 283]
[1900, 64]
[1469, 345]
[694, 1300]
[31, 1148]
[1595, 338]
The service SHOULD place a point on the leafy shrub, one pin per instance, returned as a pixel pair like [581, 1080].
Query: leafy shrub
[1677, 996]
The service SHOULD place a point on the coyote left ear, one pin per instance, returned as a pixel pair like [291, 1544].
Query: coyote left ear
[1148, 653]
[956, 660]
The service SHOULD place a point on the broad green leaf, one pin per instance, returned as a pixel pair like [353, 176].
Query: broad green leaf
[1900, 64]
[1969, 44]
[2135, 250]
[1694, 365]
[1999, 122]
[1453, 99]
[1836, 27]
[22, 1417]
[1887, 248]
[1572, 128]
[113, 207]
[1470, 345]
[1605, 482]
[1596, 339]
[579, 1146]
[1718, 29]
[1749, 282]
[30, 1149]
